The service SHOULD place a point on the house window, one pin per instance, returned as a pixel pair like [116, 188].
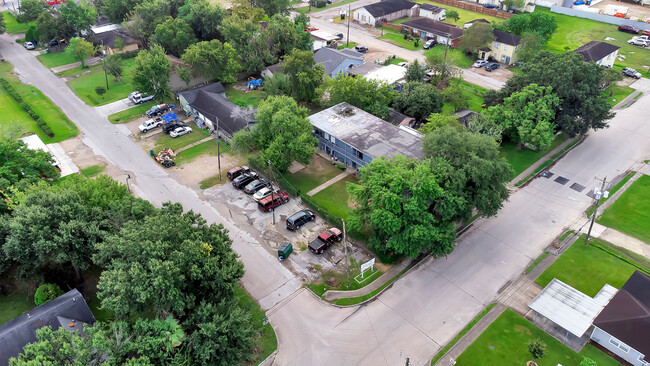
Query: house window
[503, 58]
[620, 345]
[326, 135]
[358, 154]
[505, 47]
[496, 45]
[332, 139]
[495, 55]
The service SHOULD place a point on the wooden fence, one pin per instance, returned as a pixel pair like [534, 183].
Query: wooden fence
[475, 7]
[395, 27]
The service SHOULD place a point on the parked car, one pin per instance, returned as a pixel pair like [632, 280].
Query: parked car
[340, 35]
[271, 202]
[325, 239]
[490, 6]
[480, 63]
[403, 64]
[631, 73]
[311, 29]
[628, 29]
[138, 98]
[256, 185]
[159, 109]
[241, 181]
[236, 172]
[263, 193]
[168, 127]
[639, 41]
[295, 221]
[362, 49]
[492, 66]
[150, 124]
[646, 32]
[29, 45]
[180, 131]
[429, 44]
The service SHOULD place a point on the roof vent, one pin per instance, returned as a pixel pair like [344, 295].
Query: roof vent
[71, 324]
[347, 111]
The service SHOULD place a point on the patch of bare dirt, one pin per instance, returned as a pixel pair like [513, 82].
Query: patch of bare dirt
[83, 157]
[205, 166]
[501, 74]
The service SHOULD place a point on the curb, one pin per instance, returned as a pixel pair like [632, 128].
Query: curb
[527, 181]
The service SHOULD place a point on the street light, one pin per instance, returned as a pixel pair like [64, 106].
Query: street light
[598, 194]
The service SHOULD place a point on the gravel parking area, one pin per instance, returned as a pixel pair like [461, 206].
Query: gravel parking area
[500, 74]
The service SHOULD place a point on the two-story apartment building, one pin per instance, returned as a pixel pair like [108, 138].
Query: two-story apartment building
[502, 49]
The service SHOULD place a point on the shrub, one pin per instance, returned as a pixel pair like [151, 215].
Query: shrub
[46, 292]
[320, 3]
[26, 107]
[127, 54]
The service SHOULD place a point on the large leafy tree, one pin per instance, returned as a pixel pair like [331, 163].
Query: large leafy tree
[30, 10]
[48, 27]
[477, 36]
[152, 13]
[529, 46]
[151, 73]
[541, 23]
[203, 17]
[174, 35]
[243, 9]
[113, 64]
[415, 71]
[118, 10]
[80, 49]
[370, 95]
[285, 35]
[419, 100]
[455, 95]
[245, 36]
[304, 74]
[214, 59]
[76, 18]
[576, 83]
[438, 120]
[469, 169]
[273, 7]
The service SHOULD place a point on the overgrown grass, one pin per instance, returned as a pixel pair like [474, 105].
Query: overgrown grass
[536, 262]
[84, 85]
[504, 343]
[51, 60]
[347, 45]
[520, 160]
[618, 93]
[130, 114]
[92, 171]
[266, 341]
[473, 95]
[13, 27]
[581, 259]
[630, 214]
[456, 56]
[398, 39]
[204, 148]
[615, 188]
[14, 305]
[250, 98]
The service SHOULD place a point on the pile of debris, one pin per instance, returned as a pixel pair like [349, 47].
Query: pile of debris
[166, 157]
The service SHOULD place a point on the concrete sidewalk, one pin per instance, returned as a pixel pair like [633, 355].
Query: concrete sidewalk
[114, 107]
[328, 183]
[90, 61]
[394, 271]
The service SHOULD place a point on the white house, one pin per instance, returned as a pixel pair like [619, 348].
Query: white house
[387, 11]
[323, 39]
[602, 53]
[433, 12]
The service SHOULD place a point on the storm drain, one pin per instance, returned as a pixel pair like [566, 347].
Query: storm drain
[577, 187]
[560, 179]
[546, 174]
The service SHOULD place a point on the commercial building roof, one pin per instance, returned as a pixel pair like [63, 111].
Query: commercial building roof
[570, 308]
[434, 27]
[596, 50]
[331, 58]
[432, 8]
[627, 316]
[68, 310]
[386, 7]
[389, 74]
[366, 133]
[506, 38]
[325, 36]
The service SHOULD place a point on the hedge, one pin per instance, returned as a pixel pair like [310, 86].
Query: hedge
[26, 107]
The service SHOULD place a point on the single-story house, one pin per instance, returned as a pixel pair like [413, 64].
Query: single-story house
[464, 115]
[210, 107]
[386, 11]
[364, 69]
[323, 39]
[427, 29]
[175, 82]
[355, 137]
[272, 69]
[69, 311]
[502, 49]
[337, 62]
[623, 326]
[469, 24]
[388, 74]
[105, 36]
[602, 53]
[433, 12]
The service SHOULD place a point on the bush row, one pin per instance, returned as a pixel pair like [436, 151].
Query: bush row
[26, 107]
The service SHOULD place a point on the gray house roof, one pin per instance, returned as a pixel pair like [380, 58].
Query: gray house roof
[431, 8]
[386, 7]
[596, 50]
[331, 59]
[68, 310]
[367, 133]
[434, 27]
[190, 95]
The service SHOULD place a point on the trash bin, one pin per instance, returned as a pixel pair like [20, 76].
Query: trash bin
[152, 153]
[285, 250]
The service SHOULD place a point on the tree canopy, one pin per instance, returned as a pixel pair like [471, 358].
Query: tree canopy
[370, 95]
[543, 24]
[415, 71]
[174, 35]
[214, 59]
[418, 100]
[204, 17]
[477, 36]
[30, 10]
[437, 120]
[304, 74]
[151, 73]
[76, 17]
[80, 49]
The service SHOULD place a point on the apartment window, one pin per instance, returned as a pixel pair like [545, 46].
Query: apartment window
[332, 139]
[359, 154]
[496, 45]
[505, 47]
[326, 135]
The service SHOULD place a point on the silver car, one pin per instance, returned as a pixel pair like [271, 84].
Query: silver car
[29, 45]
[180, 131]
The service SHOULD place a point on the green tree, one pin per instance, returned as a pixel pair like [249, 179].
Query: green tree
[152, 13]
[118, 10]
[174, 35]
[586, 361]
[30, 10]
[477, 36]
[100, 90]
[48, 27]
[113, 64]
[536, 348]
[437, 120]
[80, 49]
[396, 199]
[543, 24]
[214, 59]
[529, 46]
[418, 100]
[516, 4]
[158, 339]
[203, 17]
[185, 74]
[576, 83]
[469, 169]
[3, 24]
[273, 7]
[360, 92]
[76, 18]
[46, 292]
[151, 73]
[60, 347]
[484, 124]
[452, 14]
[442, 68]
[137, 27]
[455, 95]
[283, 35]
[243, 9]
[304, 74]
[276, 85]
[245, 36]
[527, 116]
[415, 71]
[119, 43]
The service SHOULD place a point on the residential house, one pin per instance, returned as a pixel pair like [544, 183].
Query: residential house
[386, 11]
[433, 12]
[464, 115]
[427, 29]
[105, 36]
[211, 108]
[602, 53]
[355, 137]
[390, 74]
[502, 49]
[69, 311]
[323, 39]
[364, 69]
[175, 82]
[623, 326]
[62, 161]
[337, 62]
[272, 69]
[470, 23]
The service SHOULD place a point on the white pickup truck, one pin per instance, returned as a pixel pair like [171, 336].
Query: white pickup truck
[138, 98]
[150, 124]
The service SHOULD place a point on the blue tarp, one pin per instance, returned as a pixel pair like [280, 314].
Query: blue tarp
[169, 117]
[257, 82]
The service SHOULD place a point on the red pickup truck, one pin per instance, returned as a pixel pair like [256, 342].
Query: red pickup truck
[325, 239]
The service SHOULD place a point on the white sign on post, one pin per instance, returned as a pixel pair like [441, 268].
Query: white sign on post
[368, 265]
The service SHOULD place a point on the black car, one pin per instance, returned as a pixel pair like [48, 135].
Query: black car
[300, 218]
[362, 49]
[492, 66]
[490, 6]
[628, 29]
[171, 126]
[256, 185]
[340, 35]
[241, 181]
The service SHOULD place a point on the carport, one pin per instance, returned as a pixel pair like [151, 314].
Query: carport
[569, 308]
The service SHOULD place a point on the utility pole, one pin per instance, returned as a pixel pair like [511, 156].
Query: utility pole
[347, 262]
[272, 199]
[218, 151]
[348, 37]
[104, 62]
[598, 194]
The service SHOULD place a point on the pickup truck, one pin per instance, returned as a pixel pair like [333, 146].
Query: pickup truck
[325, 239]
[159, 109]
[138, 98]
[150, 124]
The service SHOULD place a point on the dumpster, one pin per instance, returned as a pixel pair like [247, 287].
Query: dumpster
[285, 250]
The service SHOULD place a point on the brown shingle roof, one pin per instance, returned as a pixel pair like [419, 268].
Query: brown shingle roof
[596, 50]
[435, 27]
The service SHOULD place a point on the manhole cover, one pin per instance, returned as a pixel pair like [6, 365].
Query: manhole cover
[561, 180]
[577, 187]
[546, 174]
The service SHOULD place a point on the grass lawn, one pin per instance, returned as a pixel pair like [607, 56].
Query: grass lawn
[613, 190]
[327, 6]
[617, 92]
[398, 39]
[85, 84]
[313, 175]
[13, 305]
[165, 141]
[347, 45]
[55, 59]
[464, 14]
[581, 259]
[130, 114]
[520, 160]
[333, 280]
[13, 27]
[208, 147]
[60, 124]
[92, 171]
[335, 197]
[396, 61]
[266, 342]
[238, 97]
[473, 94]
[630, 214]
[456, 56]
[356, 300]
[504, 343]
[573, 32]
